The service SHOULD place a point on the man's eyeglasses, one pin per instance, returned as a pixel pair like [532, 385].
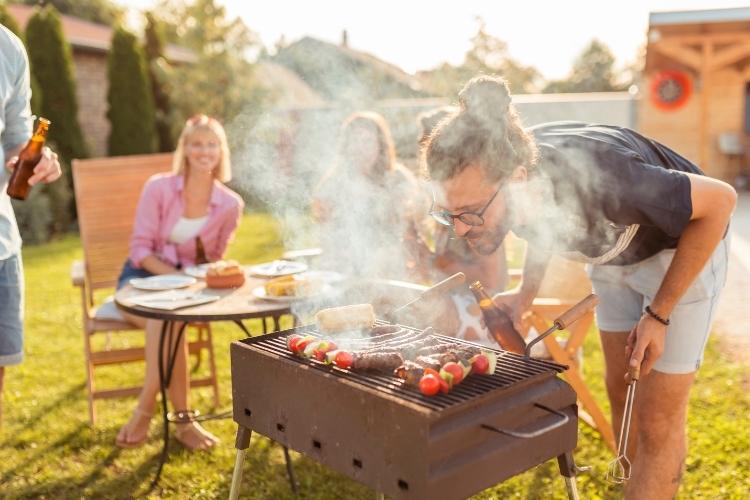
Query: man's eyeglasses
[446, 218]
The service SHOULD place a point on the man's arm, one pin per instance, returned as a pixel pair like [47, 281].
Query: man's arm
[713, 202]
[519, 300]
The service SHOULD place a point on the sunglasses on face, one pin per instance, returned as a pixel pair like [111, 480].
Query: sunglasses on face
[446, 218]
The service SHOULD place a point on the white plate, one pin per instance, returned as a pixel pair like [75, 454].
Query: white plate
[197, 271]
[173, 299]
[277, 268]
[163, 282]
[260, 292]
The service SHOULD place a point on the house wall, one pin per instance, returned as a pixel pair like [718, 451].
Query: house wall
[91, 89]
[687, 129]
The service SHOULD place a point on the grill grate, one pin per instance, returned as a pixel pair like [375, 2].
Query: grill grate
[511, 370]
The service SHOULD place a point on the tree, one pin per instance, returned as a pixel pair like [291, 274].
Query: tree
[593, 71]
[96, 11]
[10, 23]
[487, 55]
[36, 92]
[157, 71]
[220, 82]
[52, 63]
[131, 106]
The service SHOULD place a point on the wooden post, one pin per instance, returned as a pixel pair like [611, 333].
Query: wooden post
[705, 72]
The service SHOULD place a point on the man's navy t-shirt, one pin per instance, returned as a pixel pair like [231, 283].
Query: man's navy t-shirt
[608, 186]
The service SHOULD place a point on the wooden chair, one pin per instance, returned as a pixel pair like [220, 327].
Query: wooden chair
[107, 192]
[564, 285]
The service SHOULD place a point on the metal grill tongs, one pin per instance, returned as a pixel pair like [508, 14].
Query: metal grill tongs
[435, 290]
[619, 468]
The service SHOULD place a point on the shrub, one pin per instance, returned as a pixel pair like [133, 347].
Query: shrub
[52, 64]
[131, 106]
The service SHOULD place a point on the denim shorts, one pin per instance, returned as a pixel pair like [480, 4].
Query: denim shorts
[624, 291]
[129, 271]
[11, 311]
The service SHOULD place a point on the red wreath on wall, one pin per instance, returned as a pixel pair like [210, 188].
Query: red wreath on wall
[670, 89]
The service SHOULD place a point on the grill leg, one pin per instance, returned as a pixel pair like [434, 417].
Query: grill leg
[570, 486]
[241, 443]
[568, 471]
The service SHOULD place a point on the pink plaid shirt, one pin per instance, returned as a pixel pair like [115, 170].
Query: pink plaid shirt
[159, 209]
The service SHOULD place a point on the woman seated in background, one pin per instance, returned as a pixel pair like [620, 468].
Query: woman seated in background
[175, 211]
[368, 204]
[450, 255]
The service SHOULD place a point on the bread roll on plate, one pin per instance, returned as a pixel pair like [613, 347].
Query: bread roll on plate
[340, 319]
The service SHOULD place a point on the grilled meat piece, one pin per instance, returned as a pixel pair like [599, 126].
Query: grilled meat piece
[377, 361]
[428, 362]
[378, 331]
[410, 372]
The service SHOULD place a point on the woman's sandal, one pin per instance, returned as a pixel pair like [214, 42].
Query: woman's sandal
[138, 415]
[194, 437]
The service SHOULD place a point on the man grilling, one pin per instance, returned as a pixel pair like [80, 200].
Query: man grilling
[653, 228]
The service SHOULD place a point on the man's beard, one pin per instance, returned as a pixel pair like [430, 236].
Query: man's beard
[491, 238]
[489, 241]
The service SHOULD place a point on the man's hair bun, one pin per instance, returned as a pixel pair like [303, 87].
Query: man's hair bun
[486, 98]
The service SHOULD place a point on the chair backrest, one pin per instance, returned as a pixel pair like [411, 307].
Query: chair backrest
[107, 192]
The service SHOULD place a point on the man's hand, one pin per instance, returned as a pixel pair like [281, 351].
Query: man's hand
[513, 304]
[646, 343]
[47, 170]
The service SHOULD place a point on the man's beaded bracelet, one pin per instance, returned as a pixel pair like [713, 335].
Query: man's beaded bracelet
[658, 318]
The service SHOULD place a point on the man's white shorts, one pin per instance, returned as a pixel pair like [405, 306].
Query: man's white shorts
[624, 291]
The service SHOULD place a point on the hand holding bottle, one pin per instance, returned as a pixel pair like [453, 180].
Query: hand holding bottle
[511, 302]
[47, 170]
[34, 163]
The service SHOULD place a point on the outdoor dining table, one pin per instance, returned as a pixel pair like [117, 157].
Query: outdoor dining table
[235, 304]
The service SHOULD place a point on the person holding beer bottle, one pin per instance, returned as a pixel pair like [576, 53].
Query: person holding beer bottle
[15, 131]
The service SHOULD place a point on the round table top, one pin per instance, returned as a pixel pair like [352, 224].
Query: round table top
[233, 304]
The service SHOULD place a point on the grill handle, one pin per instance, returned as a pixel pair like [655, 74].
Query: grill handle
[565, 319]
[564, 419]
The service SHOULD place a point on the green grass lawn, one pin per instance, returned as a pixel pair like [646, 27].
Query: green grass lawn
[48, 449]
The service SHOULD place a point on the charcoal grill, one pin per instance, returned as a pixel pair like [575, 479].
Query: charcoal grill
[390, 437]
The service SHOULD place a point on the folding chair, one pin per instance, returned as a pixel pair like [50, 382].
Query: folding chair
[107, 192]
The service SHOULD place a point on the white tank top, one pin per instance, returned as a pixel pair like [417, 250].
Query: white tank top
[186, 229]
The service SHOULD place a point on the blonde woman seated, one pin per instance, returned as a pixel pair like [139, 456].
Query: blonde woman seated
[174, 210]
[367, 205]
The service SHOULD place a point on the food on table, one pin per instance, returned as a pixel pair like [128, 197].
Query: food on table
[291, 286]
[225, 274]
[344, 318]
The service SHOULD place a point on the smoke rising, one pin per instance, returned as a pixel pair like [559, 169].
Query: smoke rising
[291, 163]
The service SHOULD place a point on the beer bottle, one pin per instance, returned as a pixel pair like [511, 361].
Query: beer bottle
[498, 322]
[28, 158]
[200, 252]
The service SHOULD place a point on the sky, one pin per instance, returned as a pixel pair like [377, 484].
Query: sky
[421, 34]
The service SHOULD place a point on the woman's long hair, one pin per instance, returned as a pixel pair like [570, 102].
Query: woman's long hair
[374, 122]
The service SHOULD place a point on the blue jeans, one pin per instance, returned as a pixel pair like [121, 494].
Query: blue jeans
[129, 271]
[11, 311]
